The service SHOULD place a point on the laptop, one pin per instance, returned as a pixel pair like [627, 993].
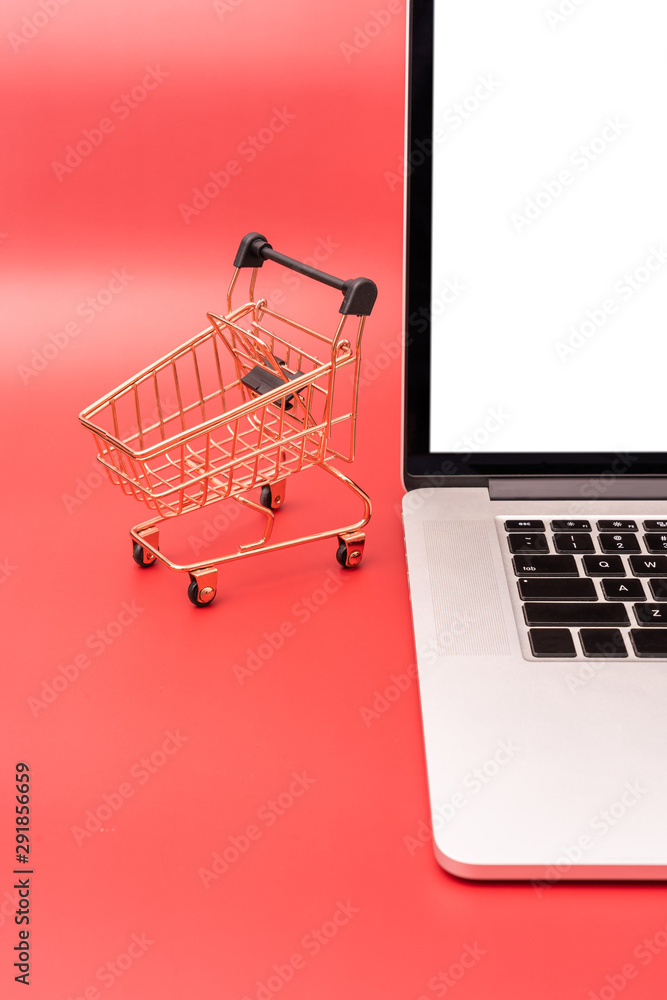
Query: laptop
[535, 434]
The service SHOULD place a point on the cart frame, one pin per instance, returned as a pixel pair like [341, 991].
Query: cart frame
[289, 416]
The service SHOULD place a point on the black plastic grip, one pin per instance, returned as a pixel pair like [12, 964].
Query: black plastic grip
[359, 294]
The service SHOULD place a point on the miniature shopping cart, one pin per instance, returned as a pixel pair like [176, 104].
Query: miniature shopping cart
[248, 402]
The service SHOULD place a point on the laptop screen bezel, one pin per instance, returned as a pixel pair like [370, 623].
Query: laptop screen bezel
[421, 466]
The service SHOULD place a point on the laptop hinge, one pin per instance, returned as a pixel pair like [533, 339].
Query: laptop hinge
[604, 487]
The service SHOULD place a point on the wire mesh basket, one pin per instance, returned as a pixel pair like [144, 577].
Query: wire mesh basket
[248, 402]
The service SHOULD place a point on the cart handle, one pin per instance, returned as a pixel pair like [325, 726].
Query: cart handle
[359, 293]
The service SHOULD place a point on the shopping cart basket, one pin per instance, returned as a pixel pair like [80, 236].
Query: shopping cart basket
[248, 402]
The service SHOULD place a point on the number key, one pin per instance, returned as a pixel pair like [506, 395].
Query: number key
[656, 543]
[574, 543]
[619, 543]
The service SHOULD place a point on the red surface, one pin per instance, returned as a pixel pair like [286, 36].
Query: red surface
[67, 571]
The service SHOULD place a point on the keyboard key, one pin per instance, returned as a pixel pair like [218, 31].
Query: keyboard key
[649, 642]
[655, 525]
[617, 526]
[574, 543]
[604, 566]
[659, 589]
[619, 543]
[553, 642]
[656, 543]
[602, 643]
[570, 525]
[524, 525]
[651, 614]
[623, 590]
[528, 543]
[649, 565]
[539, 589]
[546, 565]
[576, 614]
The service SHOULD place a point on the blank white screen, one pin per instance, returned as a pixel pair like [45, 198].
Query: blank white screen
[549, 274]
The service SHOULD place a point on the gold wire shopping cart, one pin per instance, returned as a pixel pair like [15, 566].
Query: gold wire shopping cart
[248, 402]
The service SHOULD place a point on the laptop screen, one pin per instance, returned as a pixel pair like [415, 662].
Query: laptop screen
[548, 262]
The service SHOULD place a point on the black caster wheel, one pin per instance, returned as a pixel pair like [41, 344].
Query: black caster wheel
[142, 557]
[200, 598]
[349, 558]
[272, 496]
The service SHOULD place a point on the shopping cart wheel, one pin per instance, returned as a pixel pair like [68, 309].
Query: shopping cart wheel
[350, 550]
[142, 556]
[273, 496]
[200, 596]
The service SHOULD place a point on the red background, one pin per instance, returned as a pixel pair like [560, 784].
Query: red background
[67, 568]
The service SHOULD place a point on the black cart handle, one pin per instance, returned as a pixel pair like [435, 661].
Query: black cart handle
[359, 293]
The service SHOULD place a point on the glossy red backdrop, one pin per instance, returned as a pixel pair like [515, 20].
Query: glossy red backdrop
[225, 803]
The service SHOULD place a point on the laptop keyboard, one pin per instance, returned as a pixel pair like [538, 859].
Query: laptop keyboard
[592, 588]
